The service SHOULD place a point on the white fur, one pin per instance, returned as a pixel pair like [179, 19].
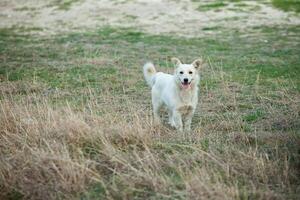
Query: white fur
[170, 91]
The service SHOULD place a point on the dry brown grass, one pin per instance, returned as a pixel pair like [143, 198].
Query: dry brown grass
[66, 152]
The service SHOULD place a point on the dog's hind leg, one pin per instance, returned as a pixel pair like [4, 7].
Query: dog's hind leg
[156, 103]
[156, 108]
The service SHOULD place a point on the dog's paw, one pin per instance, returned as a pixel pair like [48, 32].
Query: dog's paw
[172, 124]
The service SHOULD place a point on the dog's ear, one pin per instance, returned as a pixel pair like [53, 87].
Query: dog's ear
[198, 63]
[176, 61]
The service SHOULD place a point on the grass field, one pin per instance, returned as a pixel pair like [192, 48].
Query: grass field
[76, 117]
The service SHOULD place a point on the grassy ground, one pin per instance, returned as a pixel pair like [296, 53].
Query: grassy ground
[76, 117]
[287, 5]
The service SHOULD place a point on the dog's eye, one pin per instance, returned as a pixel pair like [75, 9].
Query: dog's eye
[181, 72]
[190, 72]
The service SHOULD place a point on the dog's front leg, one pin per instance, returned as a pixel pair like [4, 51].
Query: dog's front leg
[188, 121]
[171, 120]
[178, 120]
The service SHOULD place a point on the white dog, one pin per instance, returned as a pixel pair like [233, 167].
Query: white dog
[178, 92]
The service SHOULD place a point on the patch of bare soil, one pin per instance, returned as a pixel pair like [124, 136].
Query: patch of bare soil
[153, 16]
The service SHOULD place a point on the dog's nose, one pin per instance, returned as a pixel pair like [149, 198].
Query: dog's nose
[185, 80]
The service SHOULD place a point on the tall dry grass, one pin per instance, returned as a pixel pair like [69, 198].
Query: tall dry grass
[109, 149]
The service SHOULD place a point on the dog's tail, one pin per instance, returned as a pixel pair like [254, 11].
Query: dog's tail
[149, 73]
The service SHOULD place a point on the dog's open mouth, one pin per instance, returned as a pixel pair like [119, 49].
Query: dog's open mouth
[185, 85]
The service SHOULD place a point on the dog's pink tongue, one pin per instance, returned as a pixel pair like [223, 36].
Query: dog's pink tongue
[185, 86]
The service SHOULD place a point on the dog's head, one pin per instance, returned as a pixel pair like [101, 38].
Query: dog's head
[187, 75]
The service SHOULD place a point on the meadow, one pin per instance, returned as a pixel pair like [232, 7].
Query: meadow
[76, 116]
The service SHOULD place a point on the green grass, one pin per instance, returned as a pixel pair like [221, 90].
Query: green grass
[63, 4]
[239, 56]
[217, 5]
[287, 5]
[245, 134]
[212, 6]
[254, 116]
[25, 8]
[211, 28]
